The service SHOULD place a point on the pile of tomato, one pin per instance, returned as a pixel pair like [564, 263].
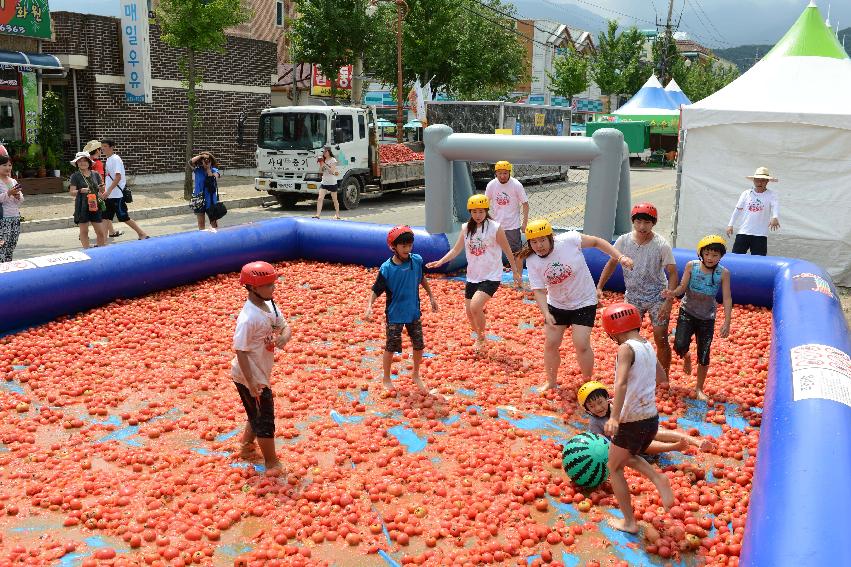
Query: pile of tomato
[123, 423]
[398, 153]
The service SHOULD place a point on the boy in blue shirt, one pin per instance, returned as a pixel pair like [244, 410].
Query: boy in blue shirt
[401, 276]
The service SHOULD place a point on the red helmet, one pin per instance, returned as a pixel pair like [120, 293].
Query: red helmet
[257, 273]
[396, 232]
[646, 208]
[621, 318]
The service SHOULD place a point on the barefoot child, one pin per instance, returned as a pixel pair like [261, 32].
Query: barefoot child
[482, 238]
[401, 277]
[701, 281]
[259, 329]
[654, 270]
[594, 398]
[633, 422]
[564, 291]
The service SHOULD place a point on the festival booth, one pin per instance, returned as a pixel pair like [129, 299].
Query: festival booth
[790, 113]
[676, 93]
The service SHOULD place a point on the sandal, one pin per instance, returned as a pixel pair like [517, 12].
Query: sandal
[116, 234]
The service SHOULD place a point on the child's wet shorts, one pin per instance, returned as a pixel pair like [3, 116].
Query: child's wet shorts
[703, 329]
[394, 335]
[583, 316]
[261, 415]
[487, 286]
[636, 436]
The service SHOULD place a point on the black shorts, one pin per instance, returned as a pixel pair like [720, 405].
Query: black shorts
[261, 416]
[333, 187]
[636, 436]
[116, 207]
[583, 316]
[758, 245]
[487, 286]
[394, 335]
[703, 329]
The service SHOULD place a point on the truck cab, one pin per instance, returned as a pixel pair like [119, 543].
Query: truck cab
[290, 141]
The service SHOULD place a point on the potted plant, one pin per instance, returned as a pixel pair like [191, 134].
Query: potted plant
[32, 160]
[52, 163]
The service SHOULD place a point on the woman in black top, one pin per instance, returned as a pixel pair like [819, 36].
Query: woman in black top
[89, 193]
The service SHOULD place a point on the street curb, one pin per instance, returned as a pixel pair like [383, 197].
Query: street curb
[139, 214]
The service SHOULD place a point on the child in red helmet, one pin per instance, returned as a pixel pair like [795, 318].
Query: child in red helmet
[401, 277]
[634, 420]
[260, 328]
[654, 270]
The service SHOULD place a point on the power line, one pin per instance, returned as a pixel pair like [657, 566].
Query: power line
[642, 20]
[511, 29]
[717, 31]
[515, 18]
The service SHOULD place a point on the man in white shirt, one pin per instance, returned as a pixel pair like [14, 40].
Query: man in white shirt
[115, 183]
[508, 203]
[758, 211]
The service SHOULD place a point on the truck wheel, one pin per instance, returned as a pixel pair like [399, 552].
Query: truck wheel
[349, 193]
[287, 200]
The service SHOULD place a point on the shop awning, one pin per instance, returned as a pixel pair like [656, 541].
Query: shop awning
[34, 60]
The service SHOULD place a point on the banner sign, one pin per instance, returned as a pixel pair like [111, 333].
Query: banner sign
[25, 18]
[29, 89]
[137, 51]
[321, 86]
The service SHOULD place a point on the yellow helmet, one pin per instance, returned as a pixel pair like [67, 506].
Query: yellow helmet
[712, 239]
[587, 388]
[478, 202]
[538, 228]
[502, 165]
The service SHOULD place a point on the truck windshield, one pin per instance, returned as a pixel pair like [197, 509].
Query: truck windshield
[292, 131]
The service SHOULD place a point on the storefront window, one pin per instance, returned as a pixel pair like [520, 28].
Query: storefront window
[10, 105]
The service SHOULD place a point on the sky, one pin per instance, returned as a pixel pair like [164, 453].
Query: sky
[715, 23]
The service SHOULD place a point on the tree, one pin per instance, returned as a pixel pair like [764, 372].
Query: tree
[330, 34]
[466, 47]
[605, 66]
[634, 69]
[197, 26]
[665, 56]
[571, 74]
[704, 78]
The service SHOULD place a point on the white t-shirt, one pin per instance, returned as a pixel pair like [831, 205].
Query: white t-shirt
[757, 210]
[505, 201]
[327, 177]
[640, 400]
[484, 256]
[564, 274]
[115, 165]
[255, 333]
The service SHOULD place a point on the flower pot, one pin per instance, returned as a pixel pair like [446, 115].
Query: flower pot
[42, 172]
[57, 173]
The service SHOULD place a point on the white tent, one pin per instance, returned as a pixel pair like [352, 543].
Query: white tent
[790, 112]
[676, 93]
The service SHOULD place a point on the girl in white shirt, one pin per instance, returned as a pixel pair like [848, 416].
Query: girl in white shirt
[11, 198]
[484, 242]
[330, 179]
[565, 291]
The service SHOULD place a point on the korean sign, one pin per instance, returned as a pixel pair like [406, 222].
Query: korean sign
[137, 51]
[321, 86]
[25, 18]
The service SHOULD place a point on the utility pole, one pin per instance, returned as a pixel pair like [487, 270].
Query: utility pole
[663, 64]
[400, 96]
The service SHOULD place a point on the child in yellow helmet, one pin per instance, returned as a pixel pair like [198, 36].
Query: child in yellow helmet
[509, 204]
[700, 283]
[483, 240]
[593, 397]
[565, 291]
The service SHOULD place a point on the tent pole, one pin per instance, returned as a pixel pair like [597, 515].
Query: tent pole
[681, 145]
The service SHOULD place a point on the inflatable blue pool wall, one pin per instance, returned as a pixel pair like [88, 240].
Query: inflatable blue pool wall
[800, 505]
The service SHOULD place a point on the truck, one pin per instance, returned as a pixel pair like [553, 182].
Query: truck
[291, 139]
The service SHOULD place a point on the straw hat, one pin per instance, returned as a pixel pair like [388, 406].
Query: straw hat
[92, 146]
[80, 155]
[762, 173]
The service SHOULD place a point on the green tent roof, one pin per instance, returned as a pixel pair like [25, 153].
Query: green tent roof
[809, 36]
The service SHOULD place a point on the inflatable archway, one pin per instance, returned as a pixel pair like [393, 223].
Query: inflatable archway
[799, 506]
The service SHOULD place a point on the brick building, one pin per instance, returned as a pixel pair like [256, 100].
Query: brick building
[151, 137]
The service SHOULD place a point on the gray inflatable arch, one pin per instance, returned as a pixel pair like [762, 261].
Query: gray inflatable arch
[448, 181]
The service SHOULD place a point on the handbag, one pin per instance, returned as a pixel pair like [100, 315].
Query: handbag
[217, 211]
[128, 195]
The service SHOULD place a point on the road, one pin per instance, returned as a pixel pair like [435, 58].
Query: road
[652, 185]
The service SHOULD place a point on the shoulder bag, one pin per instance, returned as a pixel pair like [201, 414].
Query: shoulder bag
[218, 210]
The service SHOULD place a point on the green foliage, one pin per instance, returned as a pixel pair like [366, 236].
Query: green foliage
[571, 74]
[467, 49]
[665, 54]
[606, 68]
[331, 34]
[51, 127]
[704, 78]
[634, 70]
